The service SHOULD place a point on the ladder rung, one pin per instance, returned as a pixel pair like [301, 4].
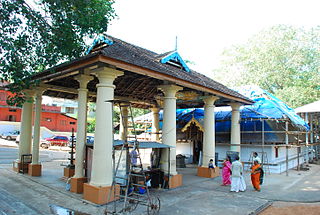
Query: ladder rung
[139, 185]
[120, 177]
[137, 194]
[121, 184]
[136, 199]
[139, 175]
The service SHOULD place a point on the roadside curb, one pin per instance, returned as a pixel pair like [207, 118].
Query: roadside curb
[261, 208]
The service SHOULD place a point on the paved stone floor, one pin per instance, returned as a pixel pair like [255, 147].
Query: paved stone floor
[22, 194]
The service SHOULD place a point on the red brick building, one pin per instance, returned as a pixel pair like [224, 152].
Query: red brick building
[51, 116]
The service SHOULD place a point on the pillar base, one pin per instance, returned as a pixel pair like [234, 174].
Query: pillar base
[77, 184]
[17, 167]
[175, 181]
[100, 195]
[207, 172]
[34, 169]
[68, 172]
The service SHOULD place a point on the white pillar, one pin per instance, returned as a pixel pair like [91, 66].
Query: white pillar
[155, 124]
[123, 131]
[169, 126]
[235, 128]
[81, 123]
[209, 131]
[26, 124]
[102, 170]
[36, 126]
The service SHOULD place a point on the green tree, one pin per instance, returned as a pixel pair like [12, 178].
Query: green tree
[282, 59]
[36, 35]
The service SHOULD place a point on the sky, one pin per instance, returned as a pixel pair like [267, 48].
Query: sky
[204, 28]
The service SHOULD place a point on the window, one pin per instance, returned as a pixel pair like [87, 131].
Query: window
[69, 110]
[47, 119]
[12, 110]
[3, 96]
[276, 151]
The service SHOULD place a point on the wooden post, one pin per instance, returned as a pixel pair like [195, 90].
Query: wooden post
[287, 143]
[307, 140]
[298, 149]
[262, 132]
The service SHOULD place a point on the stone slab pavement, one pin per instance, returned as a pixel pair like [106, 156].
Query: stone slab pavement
[196, 196]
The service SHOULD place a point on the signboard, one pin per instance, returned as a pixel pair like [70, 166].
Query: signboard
[232, 155]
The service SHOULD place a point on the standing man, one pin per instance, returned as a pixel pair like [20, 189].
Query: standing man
[256, 158]
[237, 180]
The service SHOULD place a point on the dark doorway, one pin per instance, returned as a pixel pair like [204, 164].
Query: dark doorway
[194, 134]
[11, 118]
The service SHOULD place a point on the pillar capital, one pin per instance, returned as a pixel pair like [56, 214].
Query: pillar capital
[39, 91]
[235, 106]
[155, 109]
[170, 90]
[83, 80]
[29, 93]
[106, 75]
[210, 100]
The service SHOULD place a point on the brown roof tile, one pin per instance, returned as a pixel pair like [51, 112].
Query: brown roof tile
[136, 55]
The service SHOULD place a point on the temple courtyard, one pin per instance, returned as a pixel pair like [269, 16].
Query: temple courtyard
[23, 194]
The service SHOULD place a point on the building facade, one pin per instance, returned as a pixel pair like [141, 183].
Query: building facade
[51, 117]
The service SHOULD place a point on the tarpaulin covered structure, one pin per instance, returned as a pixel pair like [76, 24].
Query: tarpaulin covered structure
[267, 115]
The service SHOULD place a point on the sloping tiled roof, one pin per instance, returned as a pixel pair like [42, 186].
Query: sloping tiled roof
[138, 56]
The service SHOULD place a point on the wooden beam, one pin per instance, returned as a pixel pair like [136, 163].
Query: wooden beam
[161, 76]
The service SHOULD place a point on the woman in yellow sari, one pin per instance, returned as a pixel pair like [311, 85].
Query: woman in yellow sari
[255, 175]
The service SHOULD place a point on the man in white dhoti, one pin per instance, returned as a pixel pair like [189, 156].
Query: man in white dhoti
[237, 180]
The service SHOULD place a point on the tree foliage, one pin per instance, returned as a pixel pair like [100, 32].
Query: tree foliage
[35, 35]
[282, 59]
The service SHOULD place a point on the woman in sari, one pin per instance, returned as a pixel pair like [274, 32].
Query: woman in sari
[255, 175]
[226, 172]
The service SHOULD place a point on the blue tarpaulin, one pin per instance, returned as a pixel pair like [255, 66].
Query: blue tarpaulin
[266, 106]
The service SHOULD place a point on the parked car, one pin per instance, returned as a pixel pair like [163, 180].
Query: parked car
[58, 140]
[90, 140]
[10, 135]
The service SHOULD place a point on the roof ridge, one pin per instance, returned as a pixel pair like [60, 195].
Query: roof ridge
[132, 45]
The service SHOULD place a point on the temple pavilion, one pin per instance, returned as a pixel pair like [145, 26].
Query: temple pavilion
[114, 69]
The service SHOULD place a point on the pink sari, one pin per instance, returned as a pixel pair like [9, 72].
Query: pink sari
[226, 172]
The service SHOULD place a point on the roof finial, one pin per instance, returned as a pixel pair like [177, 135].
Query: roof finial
[176, 48]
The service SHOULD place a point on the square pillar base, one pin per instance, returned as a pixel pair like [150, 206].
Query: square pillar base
[17, 167]
[175, 181]
[34, 169]
[77, 184]
[100, 195]
[68, 172]
[207, 172]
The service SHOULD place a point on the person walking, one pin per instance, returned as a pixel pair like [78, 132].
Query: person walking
[226, 172]
[237, 180]
[255, 175]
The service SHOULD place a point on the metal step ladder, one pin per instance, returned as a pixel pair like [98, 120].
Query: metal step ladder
[133, 185]
[264, 161]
